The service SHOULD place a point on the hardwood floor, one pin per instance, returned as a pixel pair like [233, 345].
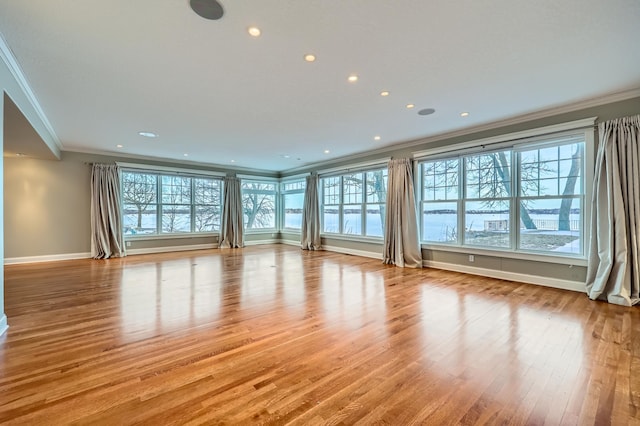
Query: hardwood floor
[276, 335]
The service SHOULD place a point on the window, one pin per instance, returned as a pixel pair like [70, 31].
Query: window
[354, 203]
[259, 204]
[292, 202]
[541, 183]
[156, 204]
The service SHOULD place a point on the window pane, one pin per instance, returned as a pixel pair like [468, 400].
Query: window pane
[487, 223]
[139, 219]
[440, 222]
[375, 220]
[293, 210]
[331, 219]
[176, 218]
[352, 188]
[551, 225]
[139, 196]
[377, 186]
[440, 180]
[352, 223]
[259, 210]
[488, 175]
[331, 190]
[176, 190]
[207, 191]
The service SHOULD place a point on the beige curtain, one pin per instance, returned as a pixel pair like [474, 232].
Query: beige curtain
[310, 238]
[401, 245]
[231, 231]
[613, 272]
[107, 239]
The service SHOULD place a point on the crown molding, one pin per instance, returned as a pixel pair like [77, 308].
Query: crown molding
[12, 64]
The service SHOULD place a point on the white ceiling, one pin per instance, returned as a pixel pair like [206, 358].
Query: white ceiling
[105, 70]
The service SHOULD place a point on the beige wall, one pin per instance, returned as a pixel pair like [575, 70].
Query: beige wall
[47, 207]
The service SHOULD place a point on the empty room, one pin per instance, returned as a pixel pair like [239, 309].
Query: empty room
[319, 212]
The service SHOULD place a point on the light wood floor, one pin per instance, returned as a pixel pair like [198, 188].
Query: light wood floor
[276, 335]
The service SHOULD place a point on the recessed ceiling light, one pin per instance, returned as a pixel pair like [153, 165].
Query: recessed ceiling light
[286, 156]
[409, 106]
[352, 78]
[148, 134]
[464, 114]
[384, 93]
[376, 138]
[426, 111]
[233, 161]
[309, 57]
[119, 146]
[326, 151]
[186, 155]
[254, 31]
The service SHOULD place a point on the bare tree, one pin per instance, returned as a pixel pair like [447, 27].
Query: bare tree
[564, 223]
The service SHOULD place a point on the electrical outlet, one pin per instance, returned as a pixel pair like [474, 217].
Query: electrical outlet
[472, 258]
[128, 243]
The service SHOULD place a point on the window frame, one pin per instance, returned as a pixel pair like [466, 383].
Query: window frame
[158, 174]
[340, 205]
[276, 201]
[283, 193]
[583, 130]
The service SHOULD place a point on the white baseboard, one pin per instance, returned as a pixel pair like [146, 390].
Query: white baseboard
[290, 242]
[363, 253]
[46, 258]
[151, 250]
[511, 276]
[3, 324]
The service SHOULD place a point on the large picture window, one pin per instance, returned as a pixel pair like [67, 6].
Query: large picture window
[259, 204]
[529, 197]
[354, 203]
[156, 204]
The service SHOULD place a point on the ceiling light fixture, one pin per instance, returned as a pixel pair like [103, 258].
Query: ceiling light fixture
[352, 78]
[208, 9]
[233, 161]
[384, 93]
[464, 114]
[119, 146]
[409, 106]
[254, 31]
[186, 155]
[309, 57]
[326, 151]
[376, 138]
[148, 134]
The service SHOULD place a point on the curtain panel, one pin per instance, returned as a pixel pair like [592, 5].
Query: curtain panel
[401, 244]
[231, 230]
[613, 272]
[310, 234]
[107, 239]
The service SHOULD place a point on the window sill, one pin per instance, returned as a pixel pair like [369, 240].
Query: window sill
[575, 260]
[143, 237]
[356, 238]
